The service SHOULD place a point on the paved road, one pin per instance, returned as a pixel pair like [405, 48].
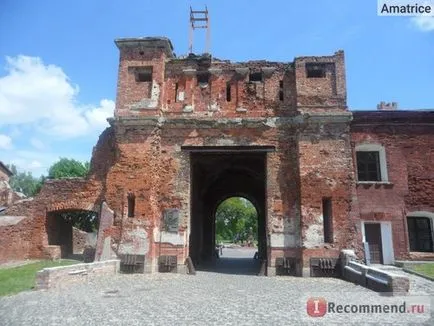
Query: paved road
[208, 298]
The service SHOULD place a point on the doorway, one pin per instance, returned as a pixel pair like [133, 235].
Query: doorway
[373, 238]
[218, 175]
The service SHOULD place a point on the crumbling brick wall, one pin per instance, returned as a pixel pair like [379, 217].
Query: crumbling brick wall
[55, 195]
[16, 237]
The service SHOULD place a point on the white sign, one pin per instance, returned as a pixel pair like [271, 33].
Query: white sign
[405, 8]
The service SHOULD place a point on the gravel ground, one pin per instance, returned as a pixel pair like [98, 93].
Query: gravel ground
[208, 298]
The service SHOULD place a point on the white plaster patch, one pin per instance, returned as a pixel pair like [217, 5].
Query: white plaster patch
[225, 142]
[168, 237]
[181, 96]
[11, 220]
[107, 251]
[155, 91]
[309, 213]
[289, 225]
[283, 240]
[214, 107]
[271, 122]
[187, 108]
[330, 182]
[313, 236]
[135, 242]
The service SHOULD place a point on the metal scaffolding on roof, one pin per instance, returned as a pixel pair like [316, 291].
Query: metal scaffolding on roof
[199, 19]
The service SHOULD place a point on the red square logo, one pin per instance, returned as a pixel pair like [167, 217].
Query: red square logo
[316, 307]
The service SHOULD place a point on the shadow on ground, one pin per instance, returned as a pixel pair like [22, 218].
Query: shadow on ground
[78, 257]
[236, 261]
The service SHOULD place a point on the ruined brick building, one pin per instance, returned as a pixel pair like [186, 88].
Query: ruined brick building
[189, 132]
[7, 195]
[5, 189]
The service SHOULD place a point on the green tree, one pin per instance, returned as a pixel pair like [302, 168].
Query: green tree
[236, 220]
[84, 220]
[65, 168]
[25, 182]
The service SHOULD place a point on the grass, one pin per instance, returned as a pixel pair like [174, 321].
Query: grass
[22, 278]
[425, 269]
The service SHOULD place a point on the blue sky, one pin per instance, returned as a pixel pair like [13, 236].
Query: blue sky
[58, 62]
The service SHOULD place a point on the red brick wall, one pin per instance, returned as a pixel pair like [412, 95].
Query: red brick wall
[135, 98]
[410, 157]
[16, 240]
[326, 171]
[74, 193]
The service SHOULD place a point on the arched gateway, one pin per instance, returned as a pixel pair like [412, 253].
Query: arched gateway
[189, 132]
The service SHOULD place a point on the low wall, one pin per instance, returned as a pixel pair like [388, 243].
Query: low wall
[372, 278]
[58, 277]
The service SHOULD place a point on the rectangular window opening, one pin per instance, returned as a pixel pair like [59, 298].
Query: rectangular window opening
[281, 90]
[228, 92]
[143, 74]
[420, 234]
[255, 77]
[315, 70]
[368, 166]
[203, 78]
[131, 204]
[327, 220]
[176, 92]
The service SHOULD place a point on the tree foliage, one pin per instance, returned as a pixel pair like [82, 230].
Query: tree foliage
[236, 220]
[65, 168]
[25, 182]
[84, 220]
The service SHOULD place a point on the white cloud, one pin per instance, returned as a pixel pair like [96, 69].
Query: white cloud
[423, 23]
[34, 165]
[43, 96]
[36, 143]
[35, 161]
[5, 142]
[97, 117]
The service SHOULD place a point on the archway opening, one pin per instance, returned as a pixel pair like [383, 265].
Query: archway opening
[236, 223]
[236, 236]
[74, 231]
[217, 177]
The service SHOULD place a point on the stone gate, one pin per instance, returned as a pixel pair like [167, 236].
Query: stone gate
[189, 132]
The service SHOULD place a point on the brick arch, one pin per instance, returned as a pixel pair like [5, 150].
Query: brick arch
[73, 205]
[58, 236]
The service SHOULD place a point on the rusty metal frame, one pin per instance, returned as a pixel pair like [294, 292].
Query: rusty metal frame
[199, 19]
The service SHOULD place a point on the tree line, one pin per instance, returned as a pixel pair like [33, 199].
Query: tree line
[30, 186]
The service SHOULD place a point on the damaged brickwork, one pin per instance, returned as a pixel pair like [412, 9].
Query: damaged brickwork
[189, 132]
